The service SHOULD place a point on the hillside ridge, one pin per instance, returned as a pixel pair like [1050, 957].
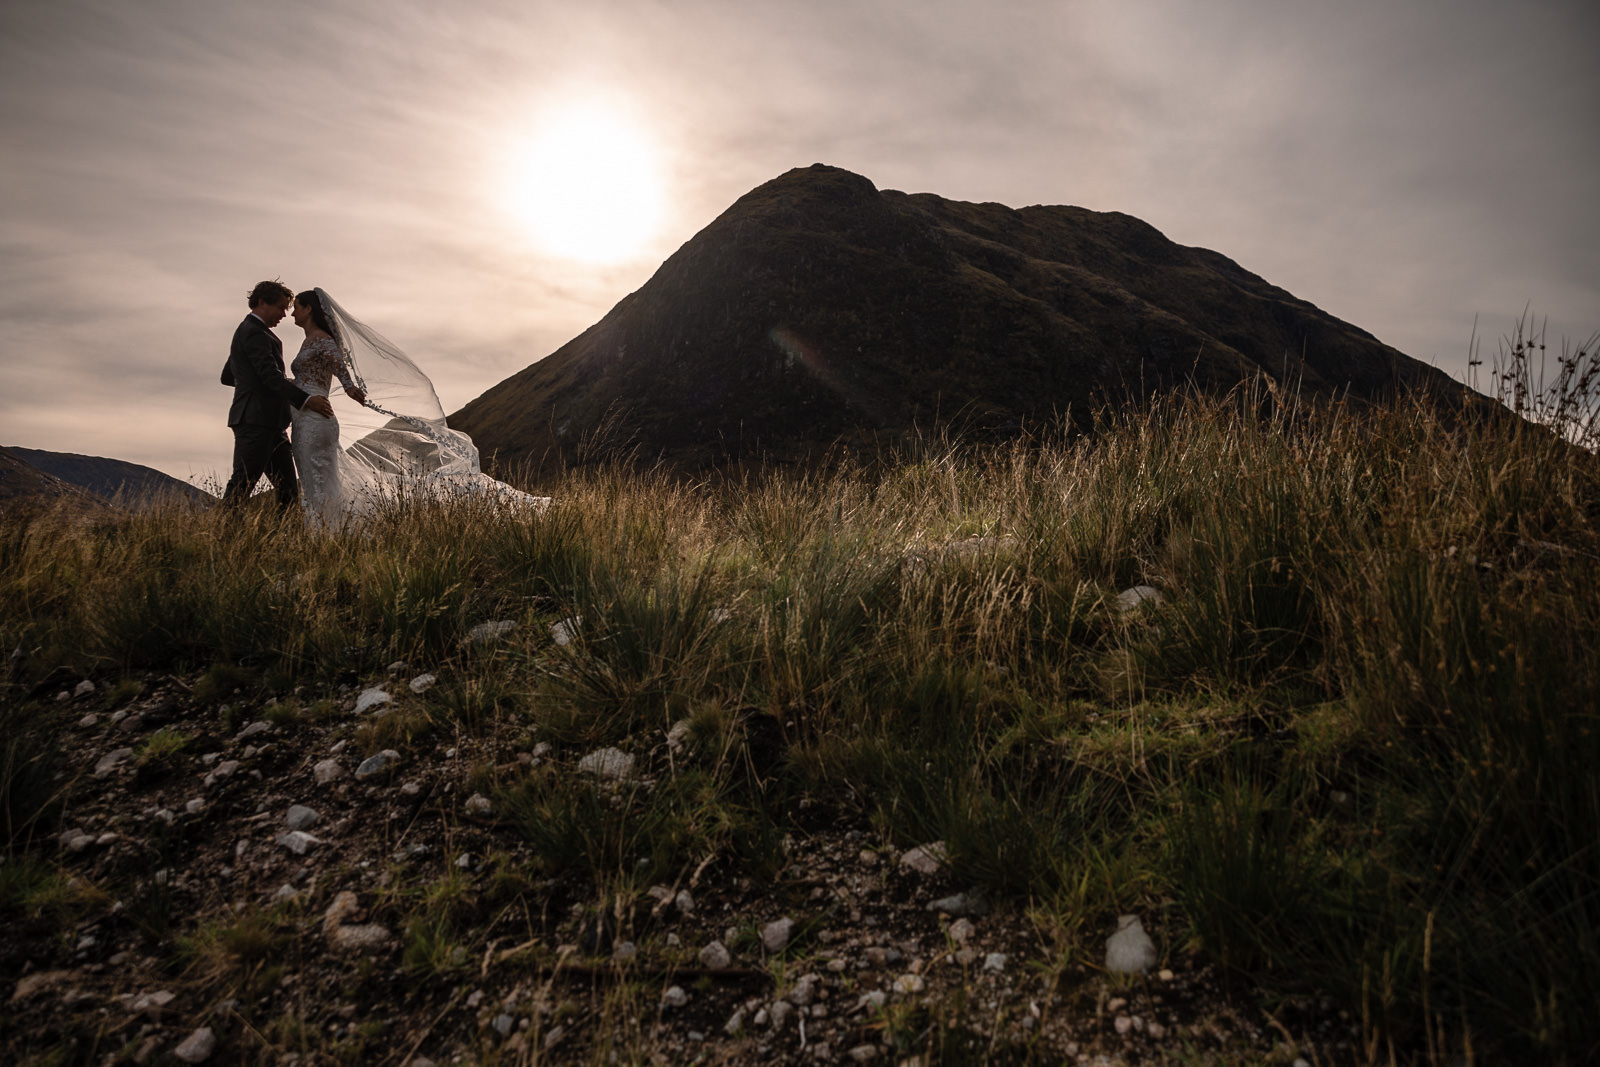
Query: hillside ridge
[818, 310]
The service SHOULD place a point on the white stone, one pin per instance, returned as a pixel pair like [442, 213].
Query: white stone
[1130, 950]
[464, 861]
[350, 937]
[197, 1047]
[995, 961]
[566, 631]
[326, 771]
[926, 859]
[195, 806]
[962, 930]
[285, 894]
[111, 761]
[716, 957]
[909, 983]
[623, 951]
[674, 997]
[88, 720]
[684, 902]
[779, 1014]
[863, 1053]
[612, 764]
[873, 1001]
[734, 1024]
[83, 688]
[775, 935]
[960, 904]
[422, 683]
[297, 841]
[478, 804]
[1122, 1024]
[804, 991]
[377, 764]
[372, 698]
[301, 817]
[678, 735]
[399, 666]
[1130, 599]
[485, 632]
[255, 728]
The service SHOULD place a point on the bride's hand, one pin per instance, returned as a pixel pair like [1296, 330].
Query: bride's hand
[359, 396]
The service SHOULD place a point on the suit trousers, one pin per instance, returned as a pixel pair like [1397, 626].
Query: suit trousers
[259, 450]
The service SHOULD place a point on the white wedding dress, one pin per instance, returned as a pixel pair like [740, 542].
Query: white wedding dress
[395, 446]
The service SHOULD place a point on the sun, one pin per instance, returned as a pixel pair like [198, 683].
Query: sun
[588, 186]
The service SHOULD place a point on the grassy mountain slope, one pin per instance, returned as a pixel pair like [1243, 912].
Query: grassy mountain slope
[818, 308]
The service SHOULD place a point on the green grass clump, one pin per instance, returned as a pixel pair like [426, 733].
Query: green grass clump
[1350, 748]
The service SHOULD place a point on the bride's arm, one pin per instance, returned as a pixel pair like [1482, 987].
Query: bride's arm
[351, 389]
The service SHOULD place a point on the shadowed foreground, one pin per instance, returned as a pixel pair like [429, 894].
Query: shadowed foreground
[1341, 765]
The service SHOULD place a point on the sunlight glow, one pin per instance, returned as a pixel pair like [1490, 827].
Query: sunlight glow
[588, 186]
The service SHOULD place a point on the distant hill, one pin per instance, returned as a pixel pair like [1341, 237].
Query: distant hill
[112, 480]
[818, 308]
[21, 483]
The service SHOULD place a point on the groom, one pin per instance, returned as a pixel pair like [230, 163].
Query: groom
[262, 397]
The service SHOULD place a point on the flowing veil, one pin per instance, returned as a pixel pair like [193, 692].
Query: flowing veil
[398, 443]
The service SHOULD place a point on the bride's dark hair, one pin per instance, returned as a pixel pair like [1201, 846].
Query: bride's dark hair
[319, 315]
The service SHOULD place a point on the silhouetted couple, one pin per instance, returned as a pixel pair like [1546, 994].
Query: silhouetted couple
[266, 402]
[400, 444]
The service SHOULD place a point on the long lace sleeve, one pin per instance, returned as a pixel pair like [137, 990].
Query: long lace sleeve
[341, 369]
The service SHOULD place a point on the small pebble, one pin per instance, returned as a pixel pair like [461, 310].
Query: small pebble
[961, 904]
[373, 765]
[197, 1047]
[716, 957]
[775, 935]
[301, 817]
[674, 997]
[926, 859]
[909, 983]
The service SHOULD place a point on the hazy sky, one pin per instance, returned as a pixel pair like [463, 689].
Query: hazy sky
[1405, 166]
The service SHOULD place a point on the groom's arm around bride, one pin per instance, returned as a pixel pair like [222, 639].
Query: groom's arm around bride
[262, 397]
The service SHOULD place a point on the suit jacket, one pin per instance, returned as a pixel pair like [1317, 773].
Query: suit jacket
[262, 396]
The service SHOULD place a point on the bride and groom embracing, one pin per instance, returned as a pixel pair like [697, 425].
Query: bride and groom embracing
[394, 444]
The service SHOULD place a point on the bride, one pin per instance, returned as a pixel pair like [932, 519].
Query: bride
[396, 445]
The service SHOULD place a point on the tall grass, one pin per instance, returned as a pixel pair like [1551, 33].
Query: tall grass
[1351, 748]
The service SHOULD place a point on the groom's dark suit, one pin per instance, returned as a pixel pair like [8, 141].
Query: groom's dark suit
[262, 397]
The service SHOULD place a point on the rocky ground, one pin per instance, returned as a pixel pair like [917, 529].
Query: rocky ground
[240, 883]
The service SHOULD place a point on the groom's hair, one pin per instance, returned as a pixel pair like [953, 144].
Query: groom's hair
[272, 292]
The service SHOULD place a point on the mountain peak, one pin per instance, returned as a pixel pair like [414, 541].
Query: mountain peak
[818, 309]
